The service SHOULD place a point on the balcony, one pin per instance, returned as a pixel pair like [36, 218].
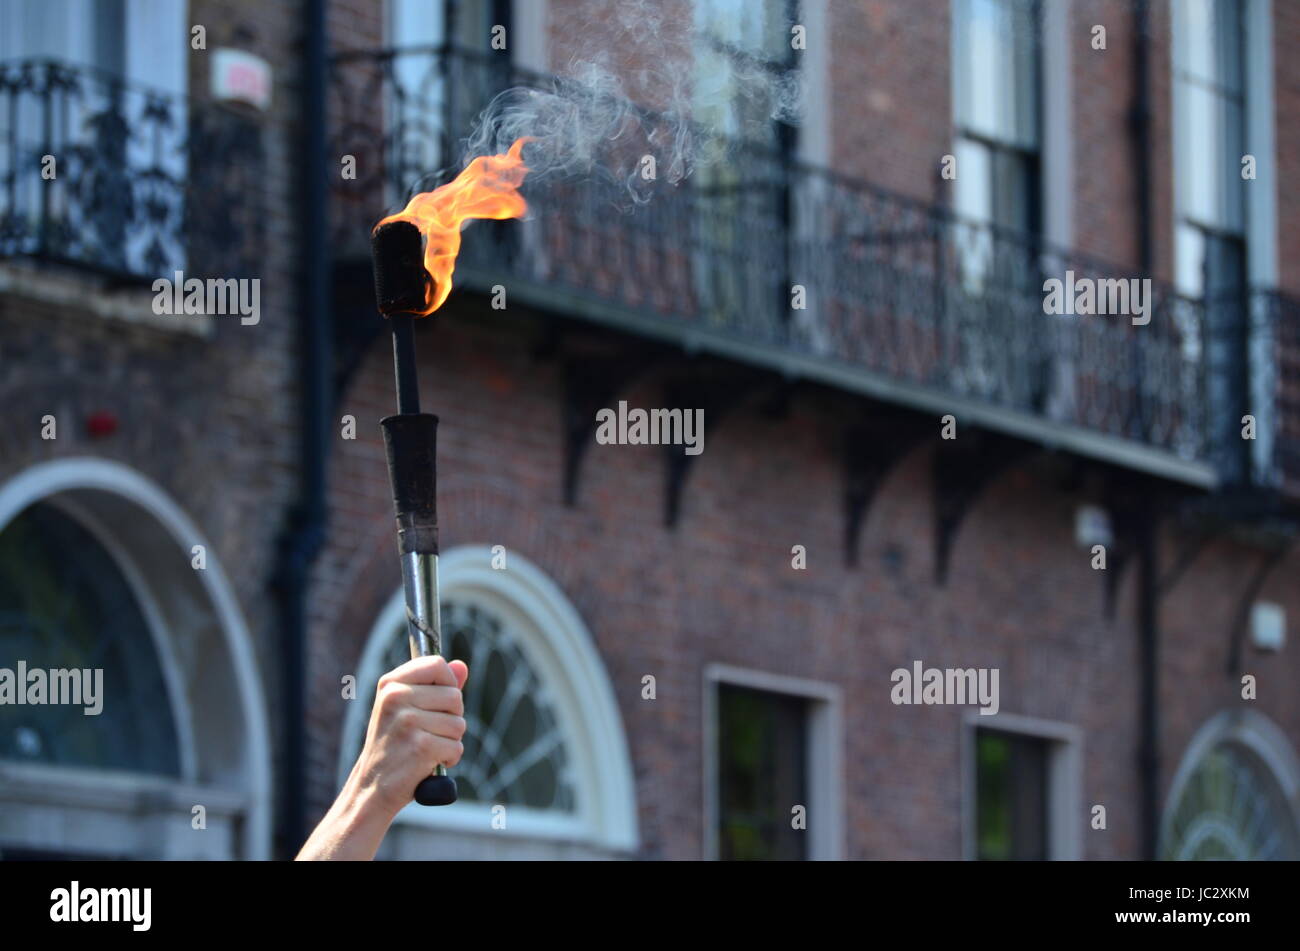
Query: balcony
[1277, 349]
[143, 183]
[905, 302]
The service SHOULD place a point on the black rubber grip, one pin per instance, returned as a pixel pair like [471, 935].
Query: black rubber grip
[401, 282]
[436, 791]
[411, 443]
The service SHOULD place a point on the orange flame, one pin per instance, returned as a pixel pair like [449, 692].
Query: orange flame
[488, 187]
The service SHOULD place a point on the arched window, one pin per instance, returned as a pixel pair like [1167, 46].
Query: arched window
[96, 574]
[66, 605]
[1235, 796]
[544, 738]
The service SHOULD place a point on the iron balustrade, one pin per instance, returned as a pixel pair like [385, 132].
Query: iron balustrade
[1274, 348]
[901, 297]
[142, 183]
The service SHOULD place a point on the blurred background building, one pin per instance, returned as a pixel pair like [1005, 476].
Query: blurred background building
[669, 653]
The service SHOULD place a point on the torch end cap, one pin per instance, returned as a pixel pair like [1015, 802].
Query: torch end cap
[436, 791]
[401, 282]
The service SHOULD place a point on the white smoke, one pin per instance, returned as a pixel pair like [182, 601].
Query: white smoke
[586, 124]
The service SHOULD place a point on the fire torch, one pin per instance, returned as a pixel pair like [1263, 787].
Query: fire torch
[414, 254]
[410, 443]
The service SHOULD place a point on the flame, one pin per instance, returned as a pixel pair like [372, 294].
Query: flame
[488, 187]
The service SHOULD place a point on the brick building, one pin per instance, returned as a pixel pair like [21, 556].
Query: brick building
[913, 465]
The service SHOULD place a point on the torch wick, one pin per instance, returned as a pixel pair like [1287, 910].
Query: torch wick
[408, 389]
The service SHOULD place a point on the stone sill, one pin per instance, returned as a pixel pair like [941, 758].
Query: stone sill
[80, 291]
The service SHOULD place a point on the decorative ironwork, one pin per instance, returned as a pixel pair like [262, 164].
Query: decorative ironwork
[143, 184]
[898, 290]
[1276, 319]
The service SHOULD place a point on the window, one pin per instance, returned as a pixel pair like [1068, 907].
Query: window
[544, 736]
[515, 750]
[1011, 796]
[743, 88]
[996, 95]
[105, 94]
[95, 572]
[1235, 795]
[1231, 810]
[773, 766]
[80, 32]
[743, 61]
[1023, 786]
[762, 773]
[1211, 256]
[1211, 96]
[418, 100]
[65, 604]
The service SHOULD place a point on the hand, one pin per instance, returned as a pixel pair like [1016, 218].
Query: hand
[416, 723]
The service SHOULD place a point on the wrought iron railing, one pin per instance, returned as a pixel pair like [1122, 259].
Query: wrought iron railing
[1275, 349]
[902, 297]
[124, 180]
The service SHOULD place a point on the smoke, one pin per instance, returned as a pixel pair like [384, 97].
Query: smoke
[661, 97]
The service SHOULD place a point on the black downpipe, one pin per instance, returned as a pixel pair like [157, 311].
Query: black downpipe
[304, 533]
[1148, 526]
[1149, 682]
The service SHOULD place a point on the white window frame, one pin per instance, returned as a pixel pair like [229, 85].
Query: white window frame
[225, 755]
[1065, 816]
[825, 766]
[562, 652]
[1251, 730]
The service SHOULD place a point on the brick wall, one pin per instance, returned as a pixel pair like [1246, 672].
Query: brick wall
[1021, 595]
[211, 419]
[214, 421]
[720, 588]
[1286, 92]
[891, 102]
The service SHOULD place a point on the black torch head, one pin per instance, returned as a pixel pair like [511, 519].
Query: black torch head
[401, 282]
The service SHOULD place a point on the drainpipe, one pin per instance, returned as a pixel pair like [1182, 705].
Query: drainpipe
[1148, 682]
[1141, 120]
[1148, 619]
[304, 533]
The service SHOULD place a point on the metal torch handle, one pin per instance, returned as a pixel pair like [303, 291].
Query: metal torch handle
[424, 629]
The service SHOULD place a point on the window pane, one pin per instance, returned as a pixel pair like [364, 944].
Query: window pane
[759, 27]
[1011, 796]
[742, 79]
[1023, 84]
[762, 774]
[1014, 187]
[1198, 54]
[997, 86]
[514, 753]
[1232, 188]
[1202, 166]
[415, 23]
[1191, 260]
[973, 187]
[65, 604]
[1211, 120]
[1229, 43]
[1231, 808]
